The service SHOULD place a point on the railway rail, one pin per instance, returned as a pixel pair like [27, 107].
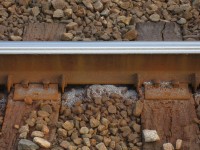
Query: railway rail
[163, 77]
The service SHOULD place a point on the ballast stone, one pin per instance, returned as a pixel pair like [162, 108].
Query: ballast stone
[154, 17]
[150, 135]
[168, 146]
[27, 145]
[58, 13]
[42, 142]
[179, 144]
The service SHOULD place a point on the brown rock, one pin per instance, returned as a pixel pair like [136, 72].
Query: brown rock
[68, 12]
[77, 109]
[69, 37]
[47, 108]
[131, 35]
[37, 134]
[81, 12]
[62, 132]
[58, 13]
[112, 109]
[125, 4]
[136, 127]
[101, 146]
[85, 148]
[138, 108]
[124, 19]
[98, 6]
[132, 136]
[114, 131]
[30, 121]
[94, 123]
[68, 125]
[58, 4]
[106, 141]
[84, 130]
[35, 11]
[112, 144]
[97, 100]
[42, 113]
[45, 129]
[71, 26]
[87, 142]
[77, 141]
[88, 4]
[65, 144]
[24, 2]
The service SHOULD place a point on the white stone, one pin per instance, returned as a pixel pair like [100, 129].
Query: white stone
[150, 135]
[15, 38]
[179, 143]
[42, 142]
[168, 146]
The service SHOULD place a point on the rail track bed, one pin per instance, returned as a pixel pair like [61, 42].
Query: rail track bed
[104, 117]
[104, 20]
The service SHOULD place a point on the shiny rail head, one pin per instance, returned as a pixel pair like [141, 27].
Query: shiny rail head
[99, 47]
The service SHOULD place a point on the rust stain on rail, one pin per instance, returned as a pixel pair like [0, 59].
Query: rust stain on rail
[98, 69]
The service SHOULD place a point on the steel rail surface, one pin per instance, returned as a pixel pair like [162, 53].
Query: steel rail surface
[99, 47]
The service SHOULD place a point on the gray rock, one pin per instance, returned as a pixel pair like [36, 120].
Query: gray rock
[35, 11]
[27, 145]
[24, 128]
[105, 12]
[181, 21]
[98, 6]
[154, 17]
[58, 13]
[88, 4]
